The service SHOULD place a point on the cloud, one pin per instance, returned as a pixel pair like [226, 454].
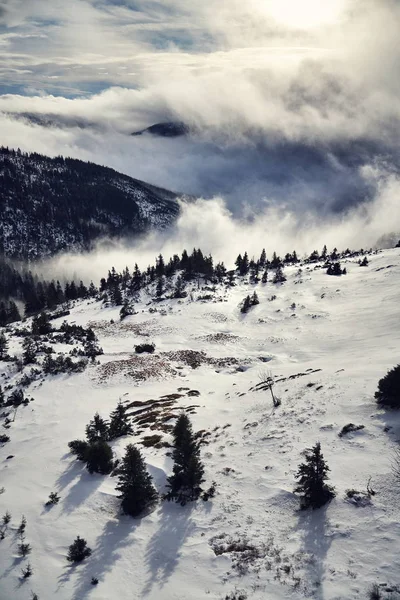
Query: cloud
[210, 225]
[284, 112]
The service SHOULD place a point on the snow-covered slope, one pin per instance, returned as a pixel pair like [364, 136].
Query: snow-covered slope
[326, 340]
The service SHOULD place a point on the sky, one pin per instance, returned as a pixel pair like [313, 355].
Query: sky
[292, 105]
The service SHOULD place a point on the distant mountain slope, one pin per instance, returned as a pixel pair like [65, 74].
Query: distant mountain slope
[52, 204]
[167, 129]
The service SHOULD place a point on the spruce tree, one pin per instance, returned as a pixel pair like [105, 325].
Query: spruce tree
[312, 476]
[78, 550]
[134, 483]
[179, 290]
[254, 299]
[388, 393]
[160, 287]
[185, 481]
[279, 275]
[97, 429]
[29, 353]
[246, 304]
[119, 423]
[3, 345]
[99, 458]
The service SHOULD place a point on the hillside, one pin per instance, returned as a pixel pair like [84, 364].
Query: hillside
[52, 204]
[326, 342]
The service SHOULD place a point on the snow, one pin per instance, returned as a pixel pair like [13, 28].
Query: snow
[343, 335]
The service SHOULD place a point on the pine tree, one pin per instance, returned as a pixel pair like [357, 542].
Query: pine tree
[246, 304]
[244, 267]
[116, 294]
[312, 476]
[78, 550]
[1, 397]
[279, 276]
[179, 291]
[29, 351]
[388, 393]
[97, 429]
[134, 483]
[187, 477]
[254, 299]
[3, 346]
[13, 313]
[264, 277]
[160, 286]
[99, 458]
[119, 423]
[263, 258]
[41, 324]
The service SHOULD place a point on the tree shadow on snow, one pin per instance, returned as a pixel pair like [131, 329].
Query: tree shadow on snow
[114, 537]
[163, 549]
[316, 540]
[85, 485]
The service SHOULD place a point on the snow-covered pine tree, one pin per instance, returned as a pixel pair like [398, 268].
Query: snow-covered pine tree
[185, 482]
[134, 483]
[312, 476]
[119, 422]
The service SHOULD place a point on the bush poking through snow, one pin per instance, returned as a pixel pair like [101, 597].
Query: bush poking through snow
[134, 483]
[140, 348]
[78, 550]
[350, 428]
[312, 476]
[94, 581]
[388, 393]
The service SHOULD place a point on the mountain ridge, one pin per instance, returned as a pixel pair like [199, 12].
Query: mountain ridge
[48, 205]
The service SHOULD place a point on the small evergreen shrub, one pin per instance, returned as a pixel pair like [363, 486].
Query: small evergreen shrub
[24, 549]
[22, 526]
[54, 498]
[27, 572]
[78, 550]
